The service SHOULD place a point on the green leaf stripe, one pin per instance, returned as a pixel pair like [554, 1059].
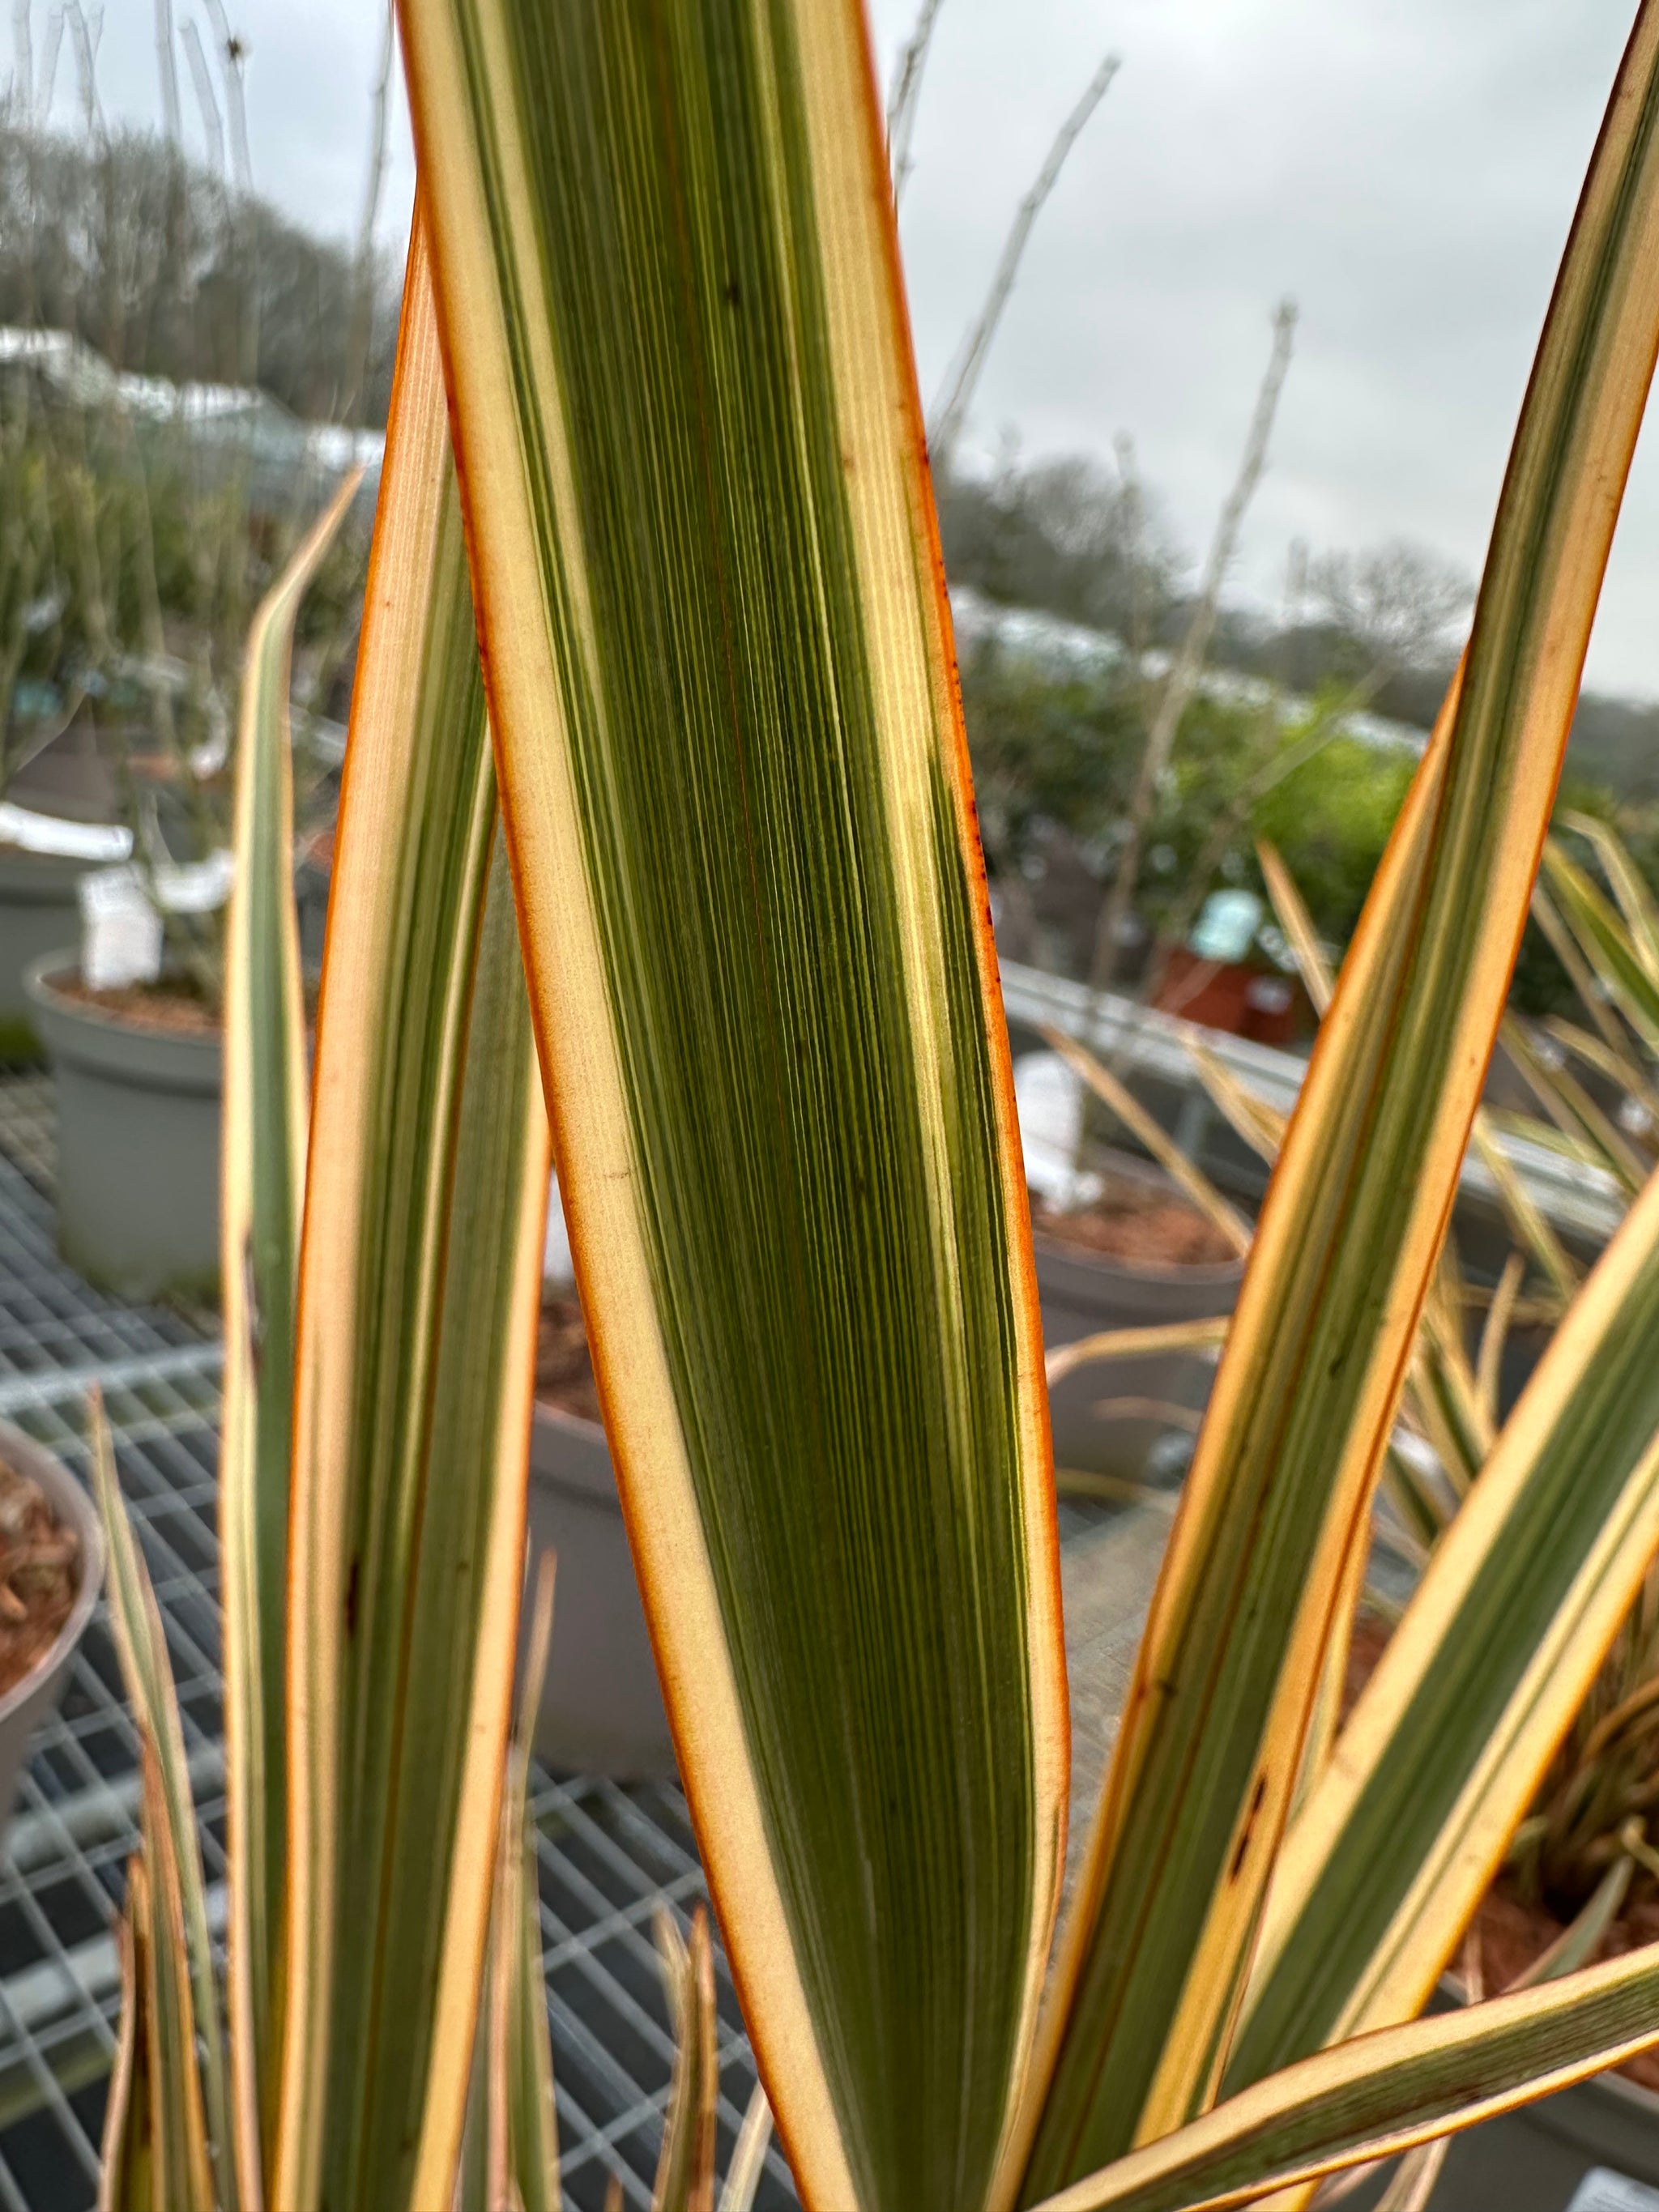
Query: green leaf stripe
[742, 720]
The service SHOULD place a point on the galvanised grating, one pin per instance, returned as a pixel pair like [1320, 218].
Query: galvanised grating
[608, 1856]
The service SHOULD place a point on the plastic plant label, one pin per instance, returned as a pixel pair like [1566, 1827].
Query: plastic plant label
[1048, 1098]
[120, 931]
[1603, 2190]
[1226, 929]
[70, 841]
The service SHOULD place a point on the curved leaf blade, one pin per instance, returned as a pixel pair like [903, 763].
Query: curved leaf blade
[1442, 1756]
[126, 2168]
[1384, 2092]
[753, 910]
[262, 1192]
[179, 2030]
[419, 1288]
[1605, 942]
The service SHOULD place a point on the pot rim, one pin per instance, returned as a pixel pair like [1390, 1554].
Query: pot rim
[1132, 1168]
[1199, 1271]
[40, 981]
[18, 1446]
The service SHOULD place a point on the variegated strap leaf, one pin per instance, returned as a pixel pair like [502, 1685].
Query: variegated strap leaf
[177, 2122]
[1636, 901]
[419, 1288]
[516, 2113]
[1617, 1062]
[182, 2037]
[718, 651]
[1592, 1136]
[1381, 2094]
[1153, 1968]
[1612, 1047]
[748, 2156]
[126, 2176]
[1604, 943]
[1441, 1757]
[685, 2167]
[263, 1172]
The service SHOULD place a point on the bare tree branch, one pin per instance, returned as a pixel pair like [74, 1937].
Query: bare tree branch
[168, 63]
[375, 182]
[363, 308]
[1188, 666]
[47, 84]
[213, 125]
[906, 94]
[22, 49]
[84, 36]
[950, 410]
[232, 56]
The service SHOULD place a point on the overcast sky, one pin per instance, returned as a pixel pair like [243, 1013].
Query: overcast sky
[1406, 168]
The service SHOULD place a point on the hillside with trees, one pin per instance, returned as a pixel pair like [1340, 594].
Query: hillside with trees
[167, 270]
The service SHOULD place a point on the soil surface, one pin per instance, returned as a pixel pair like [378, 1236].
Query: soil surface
[39, 1575]
[1512, 1931]
[1144, 1227]
[564, 1367]
[169, 1008]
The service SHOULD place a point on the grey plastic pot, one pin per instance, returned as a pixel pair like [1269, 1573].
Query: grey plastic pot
[29, 1702]
[1082, 1295]
[602, 1709]
[137, 1146]
[39, 912]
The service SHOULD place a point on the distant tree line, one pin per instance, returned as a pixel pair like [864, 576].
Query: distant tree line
[1075, 539]
[154, 262]
[1068, 536]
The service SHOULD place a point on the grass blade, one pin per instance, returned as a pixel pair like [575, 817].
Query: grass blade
[420, 1284]
[1132, 1343]
[753, 909]
[749, 2155]
[1605, 944]
[178, 2130]
[1153, 1967]
[1261, 1126]
[1587, 1130]
[1635, 901]
[126, 2179]
[1616, 1061]
[1294, 919]
[261, 1194]
[686, 2168]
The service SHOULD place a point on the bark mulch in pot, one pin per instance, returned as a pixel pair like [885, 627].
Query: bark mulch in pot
[1140, 1227]
[39, 1575]
[163, 1007]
